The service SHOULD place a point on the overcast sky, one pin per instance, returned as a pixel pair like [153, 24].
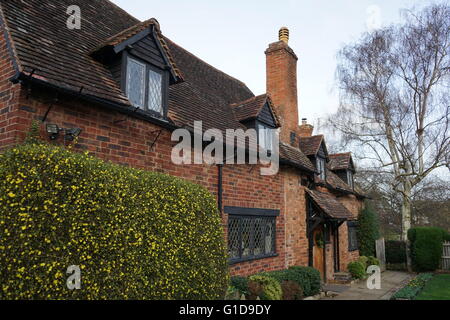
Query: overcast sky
[232, 35]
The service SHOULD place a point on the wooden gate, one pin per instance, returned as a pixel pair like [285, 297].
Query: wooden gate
[446, 256]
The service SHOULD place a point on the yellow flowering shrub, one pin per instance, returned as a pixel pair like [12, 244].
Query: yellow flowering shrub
[134, 234]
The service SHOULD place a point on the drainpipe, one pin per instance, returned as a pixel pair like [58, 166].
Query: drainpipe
[219, 186]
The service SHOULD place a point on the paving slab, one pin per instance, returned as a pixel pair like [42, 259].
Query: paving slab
[391, 281]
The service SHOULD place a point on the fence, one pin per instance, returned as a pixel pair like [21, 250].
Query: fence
[446, 256]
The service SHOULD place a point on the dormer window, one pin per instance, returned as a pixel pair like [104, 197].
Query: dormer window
[146, 86]
[320, 166]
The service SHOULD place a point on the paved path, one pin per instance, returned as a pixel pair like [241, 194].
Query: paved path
[391, 281]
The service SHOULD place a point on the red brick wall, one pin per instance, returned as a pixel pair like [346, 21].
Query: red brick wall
[10, 124]
[129, 143]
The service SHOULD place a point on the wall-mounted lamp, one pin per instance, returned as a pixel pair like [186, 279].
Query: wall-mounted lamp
[70, 134]
[53, 130]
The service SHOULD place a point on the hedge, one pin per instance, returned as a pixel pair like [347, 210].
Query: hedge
[395, 251]
[426, 247]
[306, 277]
[134, 234]
[368, 230]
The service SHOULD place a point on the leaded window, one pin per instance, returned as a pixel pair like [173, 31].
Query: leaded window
[352, 236]
[250, 237]
[145, 86]
[350, 178]
[136, 82]
[266, 137]
[320, 164]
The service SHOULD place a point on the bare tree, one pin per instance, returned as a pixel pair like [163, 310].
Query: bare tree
[395, 105]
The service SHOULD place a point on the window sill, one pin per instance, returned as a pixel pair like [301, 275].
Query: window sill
[236, 261]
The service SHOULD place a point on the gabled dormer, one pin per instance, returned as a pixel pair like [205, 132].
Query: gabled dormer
[342, 165]
[142, 65]
[316, 150]
[258, 113]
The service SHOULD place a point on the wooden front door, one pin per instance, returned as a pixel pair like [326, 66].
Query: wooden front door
[318, 250]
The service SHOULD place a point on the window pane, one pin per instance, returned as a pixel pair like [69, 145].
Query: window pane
[136, 83]
[270, 236]
[233, 238]
[155, 91]
[247, 230]
[262, 136]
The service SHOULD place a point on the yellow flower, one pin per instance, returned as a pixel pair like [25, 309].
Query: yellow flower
[11, 195]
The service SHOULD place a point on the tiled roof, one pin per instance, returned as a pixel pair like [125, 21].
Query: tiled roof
[60, 56]
[310, 145]
[295, 155]
[251, 108]
[329, 205]
[47, 50]
[340, 161]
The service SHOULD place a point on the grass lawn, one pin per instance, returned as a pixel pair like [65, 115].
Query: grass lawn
[437, 288]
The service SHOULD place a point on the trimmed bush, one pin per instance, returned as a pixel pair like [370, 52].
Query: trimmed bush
[291, 290]
[306, 277]
[134, 234]
[395, 251]
[372, 261]
[363, 260]
[426, 247]
[368, 230]
[264, 287]
[240, 283]
[357, 270]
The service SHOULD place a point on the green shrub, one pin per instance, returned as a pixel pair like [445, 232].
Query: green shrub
[240, 283]
[264, 287]
[372, 261]
[426, 247]
[291, 290]
[306, 277]
[363, 260]
[368, 230]
[357, 270]
[134, 234]
[395, 251]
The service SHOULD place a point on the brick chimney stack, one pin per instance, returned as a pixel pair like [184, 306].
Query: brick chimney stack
[281, 77]
[305, 130]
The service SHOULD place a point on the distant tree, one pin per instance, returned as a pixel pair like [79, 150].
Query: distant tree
[395, 100]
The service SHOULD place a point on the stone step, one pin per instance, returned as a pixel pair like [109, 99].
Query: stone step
[342, 277]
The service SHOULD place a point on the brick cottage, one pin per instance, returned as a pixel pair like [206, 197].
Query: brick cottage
[128, 87]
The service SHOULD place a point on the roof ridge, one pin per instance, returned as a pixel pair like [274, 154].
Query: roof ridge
[207, 64]
[241, 103]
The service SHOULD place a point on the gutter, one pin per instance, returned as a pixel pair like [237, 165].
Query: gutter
[122, 108]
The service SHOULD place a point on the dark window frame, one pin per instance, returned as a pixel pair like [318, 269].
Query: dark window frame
[265, 126]
[237, 217]
[350, 178]
[352, 229]
[164, 85]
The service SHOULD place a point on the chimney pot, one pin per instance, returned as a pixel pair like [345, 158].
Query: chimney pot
[304, 121]
[284, 34]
